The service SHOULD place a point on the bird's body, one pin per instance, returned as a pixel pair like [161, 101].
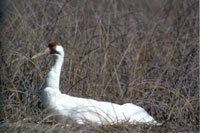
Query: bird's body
[83, 109]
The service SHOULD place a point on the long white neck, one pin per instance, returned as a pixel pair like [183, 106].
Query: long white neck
[53, 77]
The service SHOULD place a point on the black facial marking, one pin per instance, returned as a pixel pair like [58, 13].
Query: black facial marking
[52, 47]
[53, 51]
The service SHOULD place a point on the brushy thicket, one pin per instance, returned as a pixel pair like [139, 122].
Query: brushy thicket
[139, 51]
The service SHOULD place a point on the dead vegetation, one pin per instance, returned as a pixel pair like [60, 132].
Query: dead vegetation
[144, 52]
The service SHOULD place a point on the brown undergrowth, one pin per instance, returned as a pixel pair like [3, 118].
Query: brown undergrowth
[144, 52]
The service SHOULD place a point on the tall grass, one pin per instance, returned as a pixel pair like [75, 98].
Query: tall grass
[144, 52]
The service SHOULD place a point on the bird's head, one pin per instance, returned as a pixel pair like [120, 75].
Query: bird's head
[53, 49]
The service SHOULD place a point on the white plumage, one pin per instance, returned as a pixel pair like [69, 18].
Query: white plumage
[83, 109]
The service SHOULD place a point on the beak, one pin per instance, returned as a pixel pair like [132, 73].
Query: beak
[46, 51]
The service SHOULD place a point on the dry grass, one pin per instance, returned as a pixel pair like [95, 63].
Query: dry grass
[144, 52]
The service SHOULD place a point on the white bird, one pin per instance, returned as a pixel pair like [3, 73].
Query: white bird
[84, 110]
